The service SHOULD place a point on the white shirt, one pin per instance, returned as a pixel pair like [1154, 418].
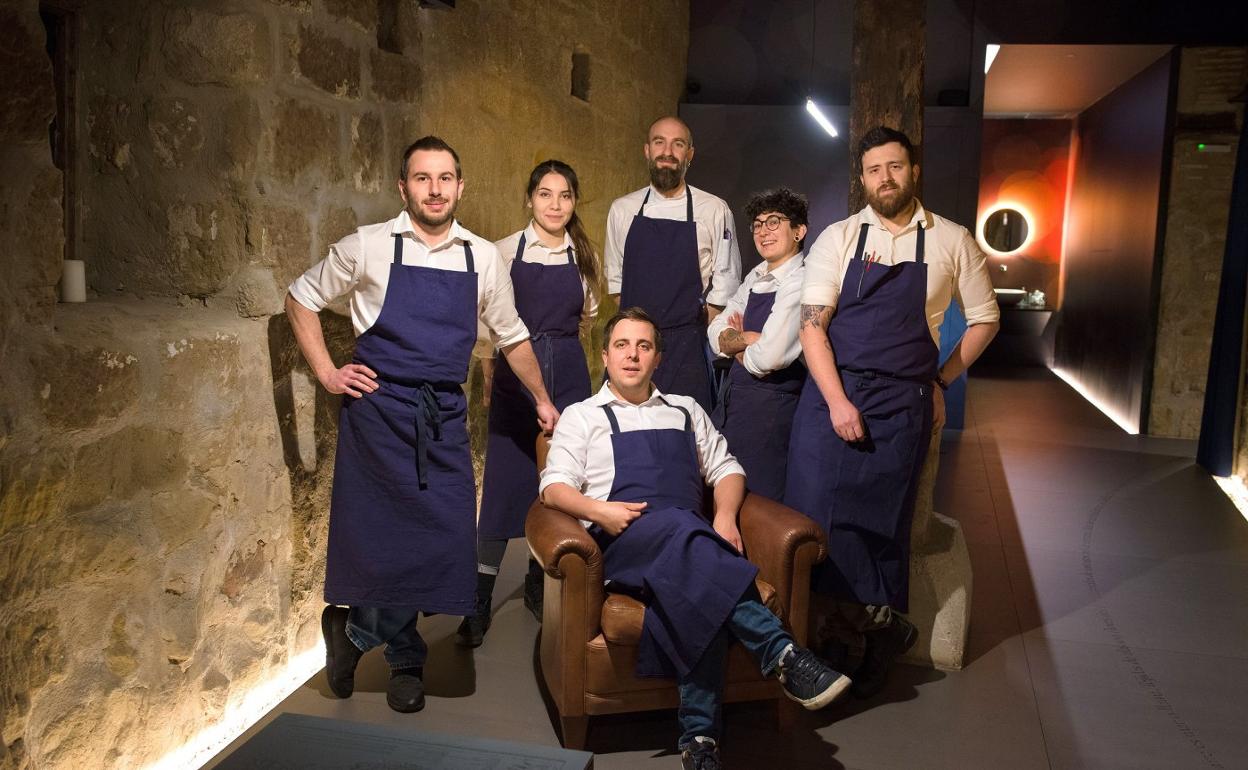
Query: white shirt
[359, 265]
[778, 344]
[581, 454]
[719, 256]
[539, 254]
[957, 269]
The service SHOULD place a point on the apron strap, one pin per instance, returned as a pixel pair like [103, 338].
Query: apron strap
[571, 256]
[862, 240]
[684, 411]
[428, 428]
[470, 265]
[688, 204]
[398, 249]
[520, 249]
[918, 246]
[615, 424]
[642, 211]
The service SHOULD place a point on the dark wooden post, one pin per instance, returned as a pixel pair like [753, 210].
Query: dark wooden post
[886, 82]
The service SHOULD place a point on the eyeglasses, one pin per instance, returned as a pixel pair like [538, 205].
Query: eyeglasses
[772, 222]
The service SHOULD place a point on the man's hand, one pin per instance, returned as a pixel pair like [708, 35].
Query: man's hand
[547, 416]
[727, 529]
[615, 517]
[846, 420]
[352, 379]
[938, 407]
[735, 321]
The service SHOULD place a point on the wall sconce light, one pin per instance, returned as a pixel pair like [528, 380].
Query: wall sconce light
[1005, 228]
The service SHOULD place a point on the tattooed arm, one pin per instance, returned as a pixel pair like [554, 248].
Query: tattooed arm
[821, 361]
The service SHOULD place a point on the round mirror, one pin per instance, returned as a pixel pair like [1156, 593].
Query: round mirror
[1005, 230]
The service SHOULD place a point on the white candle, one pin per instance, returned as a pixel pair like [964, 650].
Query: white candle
[73, 281]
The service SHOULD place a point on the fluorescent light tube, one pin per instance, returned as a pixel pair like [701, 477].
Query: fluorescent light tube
[820, 118]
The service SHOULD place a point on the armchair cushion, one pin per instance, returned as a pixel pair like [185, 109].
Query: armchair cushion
[622, 615]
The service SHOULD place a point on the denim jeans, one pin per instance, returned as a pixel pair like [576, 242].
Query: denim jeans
[395, 627]
[702, 690]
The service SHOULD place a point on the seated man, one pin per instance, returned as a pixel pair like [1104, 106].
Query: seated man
[630, 463]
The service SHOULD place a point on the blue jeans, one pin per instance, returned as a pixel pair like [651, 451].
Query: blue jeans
[395, 627]
[702, 690]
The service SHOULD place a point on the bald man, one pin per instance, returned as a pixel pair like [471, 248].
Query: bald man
[672, 251]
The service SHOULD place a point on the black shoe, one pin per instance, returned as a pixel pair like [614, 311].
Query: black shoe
[882, 648]
[534, 585]
[406, 691]
[700, 754]
[834, 652]
[341, 654]
[471, 632]
[810, 681]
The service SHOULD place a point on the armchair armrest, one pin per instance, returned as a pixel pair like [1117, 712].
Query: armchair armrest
[553, 534]
[784, 544]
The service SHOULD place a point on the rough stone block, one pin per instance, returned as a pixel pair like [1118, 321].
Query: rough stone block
[176, 131]
[396, 78]
[368, 149]
[26, 93]
[336, 223]
[279, 238]
[258, 294]
[32, 487]
[239, 137]
[204, 245]
[83, 387]
[119, 465]
[203, 47]
[361, 13]
[109, 129]
[304, 140]
[325, 61]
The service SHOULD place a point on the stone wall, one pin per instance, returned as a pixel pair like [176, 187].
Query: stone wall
[164, 455]
[1195, 234]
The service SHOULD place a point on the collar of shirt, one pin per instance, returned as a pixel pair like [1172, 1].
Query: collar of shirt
[658, 197]
[533, 239]
[920, 215]
[780, 273]
[607, 396]
[402, 225]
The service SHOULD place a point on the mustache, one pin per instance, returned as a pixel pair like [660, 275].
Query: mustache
[669, 158]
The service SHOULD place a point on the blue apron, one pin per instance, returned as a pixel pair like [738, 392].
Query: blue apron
[669, 558]
[662, 276]
[863, 493]
[549, 299]
[401, 525]
[755, 414]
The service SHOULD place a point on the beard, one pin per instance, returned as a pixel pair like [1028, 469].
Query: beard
[419, 215]
[665, 179]
[894, 205]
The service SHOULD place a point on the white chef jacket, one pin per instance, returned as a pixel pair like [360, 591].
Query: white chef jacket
[359, 266]
[539, 254]
[778, 344]
[719, 255]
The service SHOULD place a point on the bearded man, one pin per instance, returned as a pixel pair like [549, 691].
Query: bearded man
[672, 251]
[873, 297]
[402, 522]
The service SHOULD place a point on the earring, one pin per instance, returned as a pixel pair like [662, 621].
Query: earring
[796, 238]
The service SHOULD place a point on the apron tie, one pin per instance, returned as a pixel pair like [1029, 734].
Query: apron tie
[428, 428]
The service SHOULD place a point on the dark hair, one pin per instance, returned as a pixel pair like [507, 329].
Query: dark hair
[586, 257]
[881, 135]
[429, 143]
[783, 201]
[632, 314]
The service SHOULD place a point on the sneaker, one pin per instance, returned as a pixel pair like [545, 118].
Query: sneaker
[701, 753]
[341, 654]
[882, 648]
[406, 690]
[808, 680]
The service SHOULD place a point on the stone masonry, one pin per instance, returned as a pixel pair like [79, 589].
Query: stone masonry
[165, 457]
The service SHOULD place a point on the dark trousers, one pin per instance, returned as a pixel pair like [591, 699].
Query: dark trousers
[395, 627]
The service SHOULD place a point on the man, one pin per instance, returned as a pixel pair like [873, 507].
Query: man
[672, 251]
[876, 289]
[630, 462]
[758, 329]
[402, 529]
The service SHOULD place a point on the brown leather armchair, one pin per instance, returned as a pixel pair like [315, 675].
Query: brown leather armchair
[589, 638]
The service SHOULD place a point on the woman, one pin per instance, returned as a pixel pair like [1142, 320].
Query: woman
[554, 271]
[758, 328]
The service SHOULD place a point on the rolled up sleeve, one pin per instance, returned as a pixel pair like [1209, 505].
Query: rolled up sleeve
[735, 305]
[822, 282]
[568, 453]
[613, 253]
[726, 266]
[498, 300]
[713, 456]
[330, 278]
[778, 344]
[973, 290]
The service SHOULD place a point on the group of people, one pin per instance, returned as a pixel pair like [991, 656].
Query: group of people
[828, 404]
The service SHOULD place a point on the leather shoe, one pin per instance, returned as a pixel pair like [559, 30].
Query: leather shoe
[406, 691]
[341, 654]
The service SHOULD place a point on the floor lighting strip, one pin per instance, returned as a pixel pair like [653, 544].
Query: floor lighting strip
[1109, 411]
[1235, 489]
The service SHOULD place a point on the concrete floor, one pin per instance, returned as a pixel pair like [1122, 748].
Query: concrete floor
[1109, 623]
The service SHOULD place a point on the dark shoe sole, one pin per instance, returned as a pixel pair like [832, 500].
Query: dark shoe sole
[404, 706]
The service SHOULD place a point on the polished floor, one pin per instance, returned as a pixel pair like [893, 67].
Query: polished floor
[1109, 625]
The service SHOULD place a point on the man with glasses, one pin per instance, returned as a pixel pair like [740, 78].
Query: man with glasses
[671, 249]
[758, 329]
